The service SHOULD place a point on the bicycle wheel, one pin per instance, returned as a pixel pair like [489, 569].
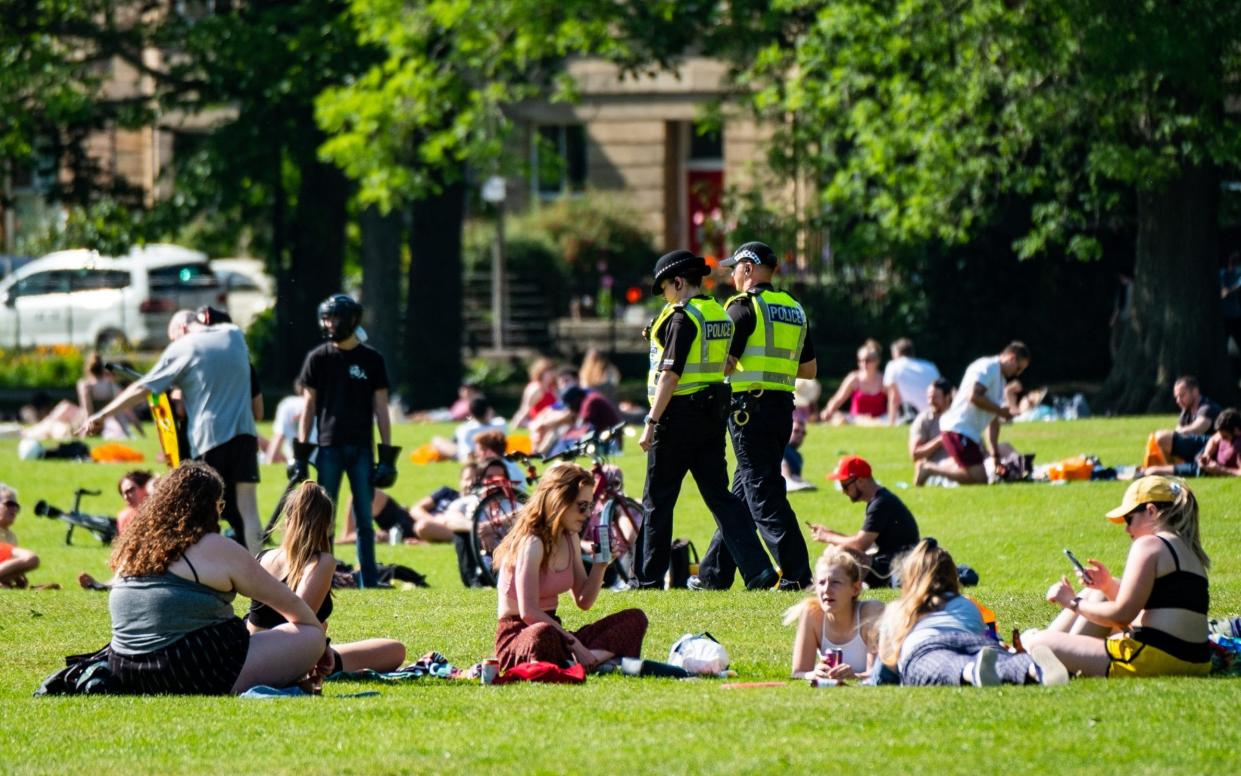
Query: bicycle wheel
[624, 515]
[491, 522]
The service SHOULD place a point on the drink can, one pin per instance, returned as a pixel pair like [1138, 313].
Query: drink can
[489, 671]
[396, 535]
[838, 657]
[816, 682]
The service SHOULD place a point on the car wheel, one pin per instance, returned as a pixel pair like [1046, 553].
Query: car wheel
[111, 341]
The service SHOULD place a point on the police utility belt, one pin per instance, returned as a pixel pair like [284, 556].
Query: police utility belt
[745, 403]
[714, 400]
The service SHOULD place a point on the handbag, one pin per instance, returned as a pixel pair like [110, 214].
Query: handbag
[680, 565]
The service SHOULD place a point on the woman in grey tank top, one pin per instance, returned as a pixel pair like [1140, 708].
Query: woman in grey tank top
[173, 625]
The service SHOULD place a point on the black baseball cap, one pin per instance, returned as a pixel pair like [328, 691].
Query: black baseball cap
[753, 252]
[679, 263]
[210, 316]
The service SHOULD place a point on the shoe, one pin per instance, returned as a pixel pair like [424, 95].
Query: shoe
[985, 674]
[765, 581]
[1050, 670]
[793, 585]
[695, 583]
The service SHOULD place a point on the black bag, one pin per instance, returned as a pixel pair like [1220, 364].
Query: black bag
[679, 562]
[82, 675]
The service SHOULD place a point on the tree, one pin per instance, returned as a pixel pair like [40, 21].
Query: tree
[917, 119]
[407, 130]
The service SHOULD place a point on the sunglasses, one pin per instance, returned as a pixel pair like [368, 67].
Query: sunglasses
[1134, 513]
[583, 507]
[13, 505]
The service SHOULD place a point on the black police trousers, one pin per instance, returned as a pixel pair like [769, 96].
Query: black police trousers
[690, 439]
[759, 447]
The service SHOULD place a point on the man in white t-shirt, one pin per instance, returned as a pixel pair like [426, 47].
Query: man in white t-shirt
[482, 418]
[906, 380]
[977, 408]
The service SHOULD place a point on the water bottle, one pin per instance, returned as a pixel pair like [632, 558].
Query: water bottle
[396, 535]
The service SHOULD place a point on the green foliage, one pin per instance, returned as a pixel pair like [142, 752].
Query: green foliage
[106, 226]
[262, 338]
[489, 374]
[915, 118]
[41, 367]
[597, 234]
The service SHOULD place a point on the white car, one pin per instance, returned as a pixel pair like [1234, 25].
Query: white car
[81, 298]
[250, 289]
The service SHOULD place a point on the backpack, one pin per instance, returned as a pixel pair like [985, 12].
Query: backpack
[82, 675]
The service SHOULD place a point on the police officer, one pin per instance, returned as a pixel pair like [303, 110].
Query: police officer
[769, 351]
[684, 431]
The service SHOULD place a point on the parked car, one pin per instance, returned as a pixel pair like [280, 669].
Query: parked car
[81, 298]
[250, 289]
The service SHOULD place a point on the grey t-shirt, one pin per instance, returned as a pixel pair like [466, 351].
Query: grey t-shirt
[925, 428]
[211, 366]
[150, 613]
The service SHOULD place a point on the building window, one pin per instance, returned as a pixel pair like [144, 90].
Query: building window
[558, 160]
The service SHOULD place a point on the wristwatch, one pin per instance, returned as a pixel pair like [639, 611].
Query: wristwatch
[650, 420]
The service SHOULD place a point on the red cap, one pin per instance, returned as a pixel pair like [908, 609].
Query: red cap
[850, 467]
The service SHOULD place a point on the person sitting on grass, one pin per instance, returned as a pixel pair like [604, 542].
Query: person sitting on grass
[1220, 457]
[863, 390]
[173, 626]
[1193, 427]
[889, 526]
[933, 635]
[835, 618]
[493, 444]
[1153, 620]
[15, 562]
[133, 487]
[541, 558]
[425, 521]
[304, 562]
[792, 463]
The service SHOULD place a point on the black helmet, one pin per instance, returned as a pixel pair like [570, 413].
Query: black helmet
[346, 312]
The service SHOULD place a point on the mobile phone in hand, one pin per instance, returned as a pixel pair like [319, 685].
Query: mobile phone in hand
[1073, 559]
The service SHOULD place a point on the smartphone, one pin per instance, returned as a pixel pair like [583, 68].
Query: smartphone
[1073, 559]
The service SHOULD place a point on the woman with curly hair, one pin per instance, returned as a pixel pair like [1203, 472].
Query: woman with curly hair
[173, 626]
[540, 558]
[304, 562]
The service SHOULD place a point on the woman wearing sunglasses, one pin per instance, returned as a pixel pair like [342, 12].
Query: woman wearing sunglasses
[541, 558]
[1153, 620]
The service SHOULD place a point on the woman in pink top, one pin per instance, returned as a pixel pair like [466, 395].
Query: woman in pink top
[862, 389]
[542, 558]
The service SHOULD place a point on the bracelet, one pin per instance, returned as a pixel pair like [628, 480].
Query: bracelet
[1075, 603]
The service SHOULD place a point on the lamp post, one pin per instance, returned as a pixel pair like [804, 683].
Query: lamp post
[493, 193]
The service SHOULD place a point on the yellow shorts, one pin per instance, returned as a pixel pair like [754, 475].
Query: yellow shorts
[1132, 658]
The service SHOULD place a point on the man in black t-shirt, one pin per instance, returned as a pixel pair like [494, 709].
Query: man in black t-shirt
[345, 385]
[889, 526]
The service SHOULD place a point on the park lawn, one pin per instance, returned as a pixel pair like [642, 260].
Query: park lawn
[1012, 535]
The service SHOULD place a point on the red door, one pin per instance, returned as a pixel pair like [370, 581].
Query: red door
[705, 189]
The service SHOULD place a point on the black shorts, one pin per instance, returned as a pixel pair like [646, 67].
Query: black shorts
[237, 460]
[392, 515]
[203, 662]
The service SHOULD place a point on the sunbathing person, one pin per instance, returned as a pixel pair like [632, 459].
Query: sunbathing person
[833, 619]
[1153, 620]
[1220, 457]
[304, 562]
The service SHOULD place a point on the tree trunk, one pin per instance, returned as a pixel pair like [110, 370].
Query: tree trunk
[1175, 327]
[318, 253]
[381, 285]
[433, 320]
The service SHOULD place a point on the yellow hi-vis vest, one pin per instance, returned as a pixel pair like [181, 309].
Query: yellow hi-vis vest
[772, 352]
[704, 364]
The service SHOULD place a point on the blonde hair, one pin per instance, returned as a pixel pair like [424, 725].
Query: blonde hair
[308, 517]
[539, 366]
[543, 516]
[594, 369]
[928, 581]
[1181, 518]
[833, 557]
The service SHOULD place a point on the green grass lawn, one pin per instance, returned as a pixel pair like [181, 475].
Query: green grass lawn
[1012, 535]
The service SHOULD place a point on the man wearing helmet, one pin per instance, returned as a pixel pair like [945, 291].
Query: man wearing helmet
[345, 383]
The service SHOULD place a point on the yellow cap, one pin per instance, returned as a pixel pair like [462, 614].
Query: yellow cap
[1146, 490]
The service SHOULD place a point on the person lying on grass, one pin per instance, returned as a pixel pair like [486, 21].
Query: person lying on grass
[835, 618]
[1220, 457]
[173, 626]
[1153, 620]
[541, 558]
[304, 562]
[933, 635]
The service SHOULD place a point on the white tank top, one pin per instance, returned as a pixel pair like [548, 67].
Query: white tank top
[854, 650]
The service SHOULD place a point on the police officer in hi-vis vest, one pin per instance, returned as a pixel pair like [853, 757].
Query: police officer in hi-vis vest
[769, 351]
[684, 431]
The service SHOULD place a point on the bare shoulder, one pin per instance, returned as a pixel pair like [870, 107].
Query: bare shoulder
[871, 610]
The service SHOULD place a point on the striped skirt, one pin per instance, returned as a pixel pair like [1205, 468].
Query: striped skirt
[204, 662]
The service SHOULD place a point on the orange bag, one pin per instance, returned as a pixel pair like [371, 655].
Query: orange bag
[424, 454]
[520, 443]
[112, 452]
[1071, 469]
[1154, 456]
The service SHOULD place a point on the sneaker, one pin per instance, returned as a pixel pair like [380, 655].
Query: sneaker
[765, 581]
[695, 583]
[985, 674]
[1050, 670]
[793, 585]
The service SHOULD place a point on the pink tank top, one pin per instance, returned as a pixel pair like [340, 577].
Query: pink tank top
[551, 583]
[873, 404]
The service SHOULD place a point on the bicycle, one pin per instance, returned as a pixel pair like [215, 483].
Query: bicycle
[496, 513]
[611, 507]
